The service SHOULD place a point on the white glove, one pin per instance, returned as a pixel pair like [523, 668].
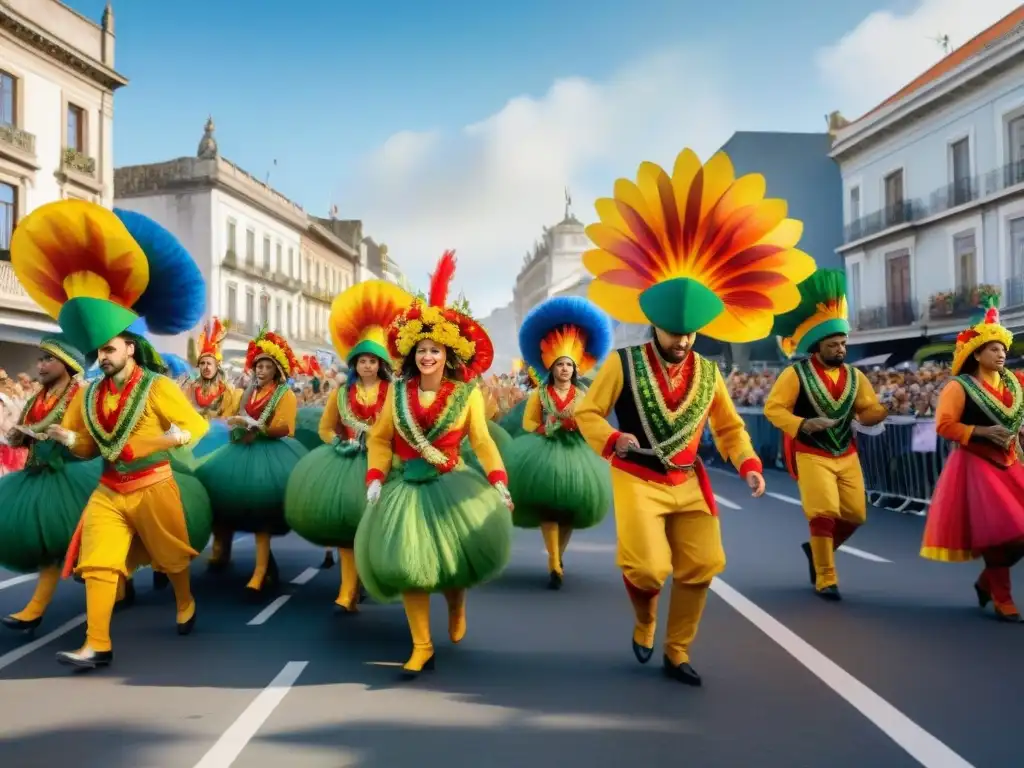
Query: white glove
[506, 497]
[373, 492]
[63, 436]
[180, 436]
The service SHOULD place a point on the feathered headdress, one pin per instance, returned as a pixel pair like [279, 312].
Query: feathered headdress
[533, 376]
[57, 345]
[269, 346]
[360, 318]
[101, 274]
[697, 250]
[565, 326]
[988, 330]
[210, 340]
[309, 366]
[442, 324]
[822, 312]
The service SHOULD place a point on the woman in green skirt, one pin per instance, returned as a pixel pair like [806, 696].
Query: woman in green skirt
[433, 524]
[326, 494]
[247, 478]
[557, 482]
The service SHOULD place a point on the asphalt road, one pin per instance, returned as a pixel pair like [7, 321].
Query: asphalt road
[904, 672]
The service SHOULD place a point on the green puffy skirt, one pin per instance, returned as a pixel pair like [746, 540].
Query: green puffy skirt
[501, 438]
[326, 495]
[307, 426]
[39, 512]
[198, 510]
[432, 533]
[247, 483]
[512, 422]
[557, 479]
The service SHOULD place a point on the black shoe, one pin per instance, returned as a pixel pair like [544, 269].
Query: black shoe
[806, 547]
[682, 673]
[328, 561]
[362, 595]
[188, 626]
[831, 594]
[409, 674]
[17, 625]
[554, 580]
[160, 581]
[217, 566]
[643, 654]
[984, 598]
[86, 659]
[129, 596]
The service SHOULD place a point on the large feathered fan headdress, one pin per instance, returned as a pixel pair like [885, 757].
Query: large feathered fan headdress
[101, 274]
[565, 326]
[442, 324]
[988, 330]
[360, 318]
[696, 251]
[270, 346]
[210, 340]
[822, 312]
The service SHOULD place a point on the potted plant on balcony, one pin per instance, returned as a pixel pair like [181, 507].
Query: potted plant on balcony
[942, 304]
[983, 293]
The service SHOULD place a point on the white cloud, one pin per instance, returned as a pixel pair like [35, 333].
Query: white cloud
[886, 50]
[488, 189]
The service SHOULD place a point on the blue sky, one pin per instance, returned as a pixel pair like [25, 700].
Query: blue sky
[372, 105]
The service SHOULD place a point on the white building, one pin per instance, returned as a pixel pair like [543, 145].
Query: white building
[57, 83]
[933, 186]
[248, 241]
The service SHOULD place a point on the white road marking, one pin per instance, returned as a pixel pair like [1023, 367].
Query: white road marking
[263, 616]
[234, 740]
[22, 651]
[917, 742]
[726, 503]
[16, 580]
[783, 497]
[306, 576]
[862, 554]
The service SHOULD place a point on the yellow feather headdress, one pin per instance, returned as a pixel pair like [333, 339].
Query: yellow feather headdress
[697, 250]
[361, 315]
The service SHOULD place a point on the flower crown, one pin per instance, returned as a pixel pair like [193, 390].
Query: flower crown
[269, 344]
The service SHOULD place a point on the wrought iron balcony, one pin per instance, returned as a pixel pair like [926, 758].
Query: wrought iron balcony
[78, 162]
[16, 138]
[893, 314]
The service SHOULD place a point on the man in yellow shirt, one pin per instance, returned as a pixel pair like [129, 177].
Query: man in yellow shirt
[814, 404]
[705, 271]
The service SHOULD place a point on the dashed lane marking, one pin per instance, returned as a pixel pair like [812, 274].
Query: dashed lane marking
[234, 740]
[726, 503]
[917, 742]
[862, 554]
[24, 650]
[264, 616]
[16, 580]
[783, 497]
[306, 576]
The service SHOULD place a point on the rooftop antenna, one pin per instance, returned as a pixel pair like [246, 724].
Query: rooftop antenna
[267, 182]
[942, 40]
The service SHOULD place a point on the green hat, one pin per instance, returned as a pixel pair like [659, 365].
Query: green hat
[681, 305]
[89, 322]
[368, 347]
[822, 313]
[60, 347]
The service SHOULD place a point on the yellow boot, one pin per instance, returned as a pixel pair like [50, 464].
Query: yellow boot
[265, 573]
[564, 534]
[550, 533]
[100, 596]
[184, 603]
[31, 616]
[417, 612]
[684, 612]
[349, 592]
[456, 599]
[826, 584]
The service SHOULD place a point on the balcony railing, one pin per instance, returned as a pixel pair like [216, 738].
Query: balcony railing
[894, 314]
[893, 215]
[12, 293]
[959, 192]
[78, 162]
[960, 303]
[16, 138]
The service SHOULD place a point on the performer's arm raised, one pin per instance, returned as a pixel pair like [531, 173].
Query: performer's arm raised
[592, 413]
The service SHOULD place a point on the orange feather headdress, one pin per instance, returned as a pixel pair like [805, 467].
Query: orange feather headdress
[210, 340]
[270, 346]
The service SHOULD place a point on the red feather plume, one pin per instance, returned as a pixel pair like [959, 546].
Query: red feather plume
[992, 315]
[441, 280]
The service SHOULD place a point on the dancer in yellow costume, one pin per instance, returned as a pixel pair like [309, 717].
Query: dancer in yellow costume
[814, 404]
[82, 265]
[694, 251]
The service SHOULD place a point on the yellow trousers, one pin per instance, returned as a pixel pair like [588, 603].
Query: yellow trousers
[121, 531]
[835, 503]
[666, 530]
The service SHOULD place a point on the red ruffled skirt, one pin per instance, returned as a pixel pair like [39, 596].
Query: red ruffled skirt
[976, 505]
[12, 459]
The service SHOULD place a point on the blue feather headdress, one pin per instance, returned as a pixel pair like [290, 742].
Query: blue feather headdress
[566, 326]
[176, 365]
[175, 299]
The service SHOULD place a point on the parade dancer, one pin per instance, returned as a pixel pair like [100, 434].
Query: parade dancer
[40, 506]
[557, 483]
[326, 494]
[247, 477]
[105, 278]
[697, 250]
[977, 508]
[433, 524]
[814, 403]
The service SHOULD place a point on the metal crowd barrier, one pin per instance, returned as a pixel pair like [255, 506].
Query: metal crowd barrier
[901, 459]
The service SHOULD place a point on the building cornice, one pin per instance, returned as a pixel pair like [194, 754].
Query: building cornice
[332, 241]
[976, 71]
[34, 36]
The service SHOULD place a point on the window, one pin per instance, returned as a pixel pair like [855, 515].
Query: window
[291, 324]
[277, 316]
[8, 99]
[266, 253]
[894, 198]
[250, 310]
[291, 262]
[897, 288]
[250, 248]
[1017, 248]
[854, 204]
[280, 260]
[231, 237]
[853, 289]
[965, 262]
[960, 162]
[8, 214]
[1015, 144]
[233, 302]
[264, 310]
[76, 128]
